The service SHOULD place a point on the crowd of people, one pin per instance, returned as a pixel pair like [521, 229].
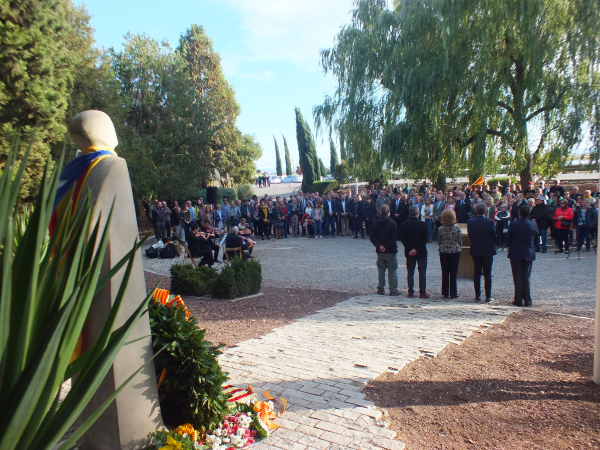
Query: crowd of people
[567, 217]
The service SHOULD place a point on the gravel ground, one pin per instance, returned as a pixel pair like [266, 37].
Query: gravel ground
[524, 384]
[348, 265]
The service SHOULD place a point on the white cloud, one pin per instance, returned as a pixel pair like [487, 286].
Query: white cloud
[290, 30]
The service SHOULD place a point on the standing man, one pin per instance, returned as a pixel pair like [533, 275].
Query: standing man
[520, 239]
[225, 214]
[342, 209]
[413, 234]
[383, 237]
[329, 208]
[462, 208]
[482, 233]
[383, 199]
[398, 211]
[438, 208]
[540, 215]
[356, 210]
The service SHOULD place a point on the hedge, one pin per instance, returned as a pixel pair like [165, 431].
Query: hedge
[322, 187]
[238, 279]
[231, 194]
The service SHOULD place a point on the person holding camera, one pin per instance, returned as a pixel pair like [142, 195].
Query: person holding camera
[563, 219]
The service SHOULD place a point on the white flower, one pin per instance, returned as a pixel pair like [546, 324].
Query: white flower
[236, 440]
[218, 432]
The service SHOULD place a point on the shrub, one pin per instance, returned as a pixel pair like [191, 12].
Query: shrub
[495, 181]
[186, 280]
[239, 279]
[221, 192]
[190, 391]
[325, 186]
[244, 191]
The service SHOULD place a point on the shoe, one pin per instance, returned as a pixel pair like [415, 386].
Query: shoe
[395, 293]
[269, 237]
[355, 237]
[516, 304]
[425, 295]
[537, 251]
[321, 237]
[477, 298]
[411, 295]
[559, 251]
[363, 237]
[455, 296]
[445, 296]
[527, 305]
[489, 300]
[263, 238]
[567, 252]
[380, 292]
[543, 251]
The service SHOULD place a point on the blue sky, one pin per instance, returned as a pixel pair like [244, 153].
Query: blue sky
[269, 53]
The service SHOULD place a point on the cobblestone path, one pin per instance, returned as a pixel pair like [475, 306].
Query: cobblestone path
[321, 363]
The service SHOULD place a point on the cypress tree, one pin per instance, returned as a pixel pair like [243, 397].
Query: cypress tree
[277, 159]
[308, 163]
[333, 161]
[35, 79]
[288, 160]
[322, 168]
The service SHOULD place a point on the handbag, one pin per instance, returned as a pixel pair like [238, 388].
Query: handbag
[566, 223]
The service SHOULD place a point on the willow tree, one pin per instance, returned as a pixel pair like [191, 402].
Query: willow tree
[288, 161]
[307, 152]
[436, 86]
[278, 168]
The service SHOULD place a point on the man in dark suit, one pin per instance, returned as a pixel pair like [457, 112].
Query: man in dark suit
[413, 235]
[356, 211]
[383, 237]
[462, 208]
[520, 240]
[330, 217]
[482, 233]
[398, 213]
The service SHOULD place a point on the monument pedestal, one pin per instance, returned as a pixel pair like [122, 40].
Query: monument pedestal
[465, 266]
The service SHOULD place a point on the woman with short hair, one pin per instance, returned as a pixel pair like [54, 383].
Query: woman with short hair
[450, 245]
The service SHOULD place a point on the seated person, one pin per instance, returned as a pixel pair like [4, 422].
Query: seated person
[245, 229]
[198, 245]
[234, 240]
[210, 235]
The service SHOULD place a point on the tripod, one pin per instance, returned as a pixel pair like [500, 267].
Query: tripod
[579, 242]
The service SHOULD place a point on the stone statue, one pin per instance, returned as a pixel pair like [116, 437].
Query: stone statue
[135, 412]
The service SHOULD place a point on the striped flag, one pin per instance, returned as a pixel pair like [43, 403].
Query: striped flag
[478, 182]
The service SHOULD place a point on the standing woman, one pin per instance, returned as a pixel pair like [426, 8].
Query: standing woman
[176, 221]
[450, 245]
[263, 220]
[186, 218]
[426, 216]
[563, 219]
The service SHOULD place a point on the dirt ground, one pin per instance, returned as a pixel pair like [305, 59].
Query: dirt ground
[231, 322]
[524, 384]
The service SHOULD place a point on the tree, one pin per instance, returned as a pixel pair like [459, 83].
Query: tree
[333, 159]
[277, 159]
[288, 161]
[306, 152]
[35, 80]
[434, 86]
[322, 169]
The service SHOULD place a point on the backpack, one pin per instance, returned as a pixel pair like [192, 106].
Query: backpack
[152, 252]
[169, 252]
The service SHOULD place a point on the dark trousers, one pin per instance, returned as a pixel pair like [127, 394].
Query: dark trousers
[329, 221]
[561, 236]
[207, 256]
[214, 247]
[411, 263]
[521, 271]
[583, 234]
[449, 263]
[358, 227]
[263, 228]
[159, 230]
[483, 265]
[168, 228]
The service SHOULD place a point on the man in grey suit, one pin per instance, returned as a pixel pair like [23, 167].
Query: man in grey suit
[383, 199]
[438, 208]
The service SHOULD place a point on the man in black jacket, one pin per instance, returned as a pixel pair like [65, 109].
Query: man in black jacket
[356, 211]
[398, 211]
[482, 233]
[199, 246]
[383, 237]
[540, 215]
[413, 234]
[520, 238]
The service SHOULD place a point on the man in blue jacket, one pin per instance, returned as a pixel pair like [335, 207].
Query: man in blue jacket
[520, 240]
[330, 210]
[482, 233]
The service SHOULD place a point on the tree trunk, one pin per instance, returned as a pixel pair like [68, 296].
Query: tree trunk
[525, 176]
[440, 182]
[146, 208]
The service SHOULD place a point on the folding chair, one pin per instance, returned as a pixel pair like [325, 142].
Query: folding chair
[236, 249]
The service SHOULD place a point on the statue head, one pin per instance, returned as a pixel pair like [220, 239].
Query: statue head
[93, 128]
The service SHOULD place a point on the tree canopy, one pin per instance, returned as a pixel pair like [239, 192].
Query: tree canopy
[309, 161]
[288, 161]
[431, 87]
[278, 168]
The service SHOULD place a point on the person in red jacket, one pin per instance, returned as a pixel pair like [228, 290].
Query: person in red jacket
[563, 218]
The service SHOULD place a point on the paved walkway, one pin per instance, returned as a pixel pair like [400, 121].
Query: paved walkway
[321, 363]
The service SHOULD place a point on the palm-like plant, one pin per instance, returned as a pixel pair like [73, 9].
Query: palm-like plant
[47, 286]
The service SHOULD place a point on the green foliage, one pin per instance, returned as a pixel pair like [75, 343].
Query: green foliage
[497, 180]
[195, 194]
[47, 287]
[35, 80]
[322, 169]
[159, 440]
[432, 87]
[307, 151]
[244, 191]
[323, 187]
[238, 279]
[288, 161]
[278, 168]
[191, 390]
[333, 159]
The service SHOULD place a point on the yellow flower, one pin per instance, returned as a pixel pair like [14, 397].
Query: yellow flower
[172, 444]
[187, 429]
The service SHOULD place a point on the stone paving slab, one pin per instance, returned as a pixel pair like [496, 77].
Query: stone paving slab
[321, 363]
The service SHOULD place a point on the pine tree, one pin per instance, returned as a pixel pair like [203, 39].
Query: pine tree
[306, 152]
[288, 161]
[333, 161]
[277, 159]
[35, 79]
[322, 168]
